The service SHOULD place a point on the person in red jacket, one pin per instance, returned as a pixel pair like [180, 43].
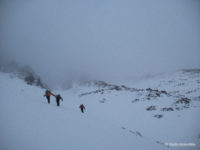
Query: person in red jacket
[48, 94]
[82, 107]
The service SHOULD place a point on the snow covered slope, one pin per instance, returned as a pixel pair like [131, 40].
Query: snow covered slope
[147, 115]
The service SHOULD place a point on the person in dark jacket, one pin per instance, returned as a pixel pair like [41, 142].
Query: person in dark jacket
[48, 94]
[82, 107]
[58, 98]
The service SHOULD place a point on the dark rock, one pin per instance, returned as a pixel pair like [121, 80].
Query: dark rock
[123, 128]
[158, 116]
[138, 133]
[163, 92]
[191, 70]
[117, 88]
[135, 100]
[29, 79]
[101, 84]
[158, 94]
[148, 89]
[184, 100]
[180, 84]
[167, 109]
[150, 108]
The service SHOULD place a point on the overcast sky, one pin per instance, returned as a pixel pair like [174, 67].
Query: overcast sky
[100, 39]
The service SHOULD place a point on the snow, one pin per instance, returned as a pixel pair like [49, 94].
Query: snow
[111, 120]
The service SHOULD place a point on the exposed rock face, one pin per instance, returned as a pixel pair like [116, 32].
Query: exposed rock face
[150, 108]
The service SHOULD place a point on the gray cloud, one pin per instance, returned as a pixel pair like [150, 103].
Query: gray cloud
[107, 40]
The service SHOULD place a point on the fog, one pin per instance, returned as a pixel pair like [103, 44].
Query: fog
[110, 40]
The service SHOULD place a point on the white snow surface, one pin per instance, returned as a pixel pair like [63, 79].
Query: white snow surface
[113, 120]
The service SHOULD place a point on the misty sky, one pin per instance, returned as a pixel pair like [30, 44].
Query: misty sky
[100, 39]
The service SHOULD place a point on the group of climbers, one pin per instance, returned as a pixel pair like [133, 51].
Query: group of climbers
[48, 93]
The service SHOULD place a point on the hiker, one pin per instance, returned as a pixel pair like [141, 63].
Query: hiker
[82, 107]
[58, 98]
[48, 94]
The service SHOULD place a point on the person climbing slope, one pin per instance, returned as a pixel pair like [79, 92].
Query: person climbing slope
[48, 93]
[82, 107]
[58, 98]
